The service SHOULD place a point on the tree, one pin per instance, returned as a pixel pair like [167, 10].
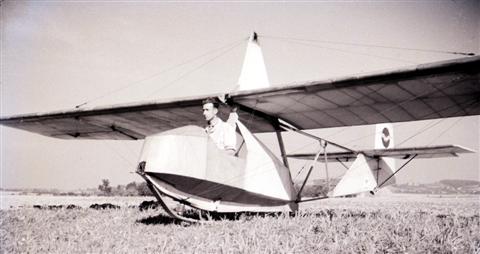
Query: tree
[105, 187]
[131, 189]
[143, 190]
[132, 185]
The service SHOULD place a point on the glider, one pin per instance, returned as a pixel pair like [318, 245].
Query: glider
[180, 161]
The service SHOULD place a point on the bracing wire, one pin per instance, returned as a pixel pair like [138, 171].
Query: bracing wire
[349, 51]
[119, 155]
[434, 124]
[196, 68]
[379, 132]
[445, 131]
[188, 61]
[428, 126]
[403, 123]
[374, 46]
[300, 171]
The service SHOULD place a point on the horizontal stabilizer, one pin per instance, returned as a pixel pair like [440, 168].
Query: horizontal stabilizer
[397, 153]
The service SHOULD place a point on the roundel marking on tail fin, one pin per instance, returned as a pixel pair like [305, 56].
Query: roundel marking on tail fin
[385, 137]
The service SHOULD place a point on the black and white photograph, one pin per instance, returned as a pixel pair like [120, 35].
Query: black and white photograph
[239, 126]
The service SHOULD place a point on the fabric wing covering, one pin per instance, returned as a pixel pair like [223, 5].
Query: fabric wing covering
[437, 90]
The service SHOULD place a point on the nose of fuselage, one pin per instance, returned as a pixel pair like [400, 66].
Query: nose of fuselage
[141, 168]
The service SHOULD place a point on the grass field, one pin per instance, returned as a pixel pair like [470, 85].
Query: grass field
[397, 224]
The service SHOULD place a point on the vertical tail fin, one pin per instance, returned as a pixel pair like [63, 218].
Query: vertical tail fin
[366, 174]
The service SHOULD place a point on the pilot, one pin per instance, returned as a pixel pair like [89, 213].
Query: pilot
[222, 133]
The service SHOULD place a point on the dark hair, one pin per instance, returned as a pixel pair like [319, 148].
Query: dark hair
[211, 100]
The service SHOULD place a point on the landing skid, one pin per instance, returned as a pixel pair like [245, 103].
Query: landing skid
[167, 209]
[204, 216]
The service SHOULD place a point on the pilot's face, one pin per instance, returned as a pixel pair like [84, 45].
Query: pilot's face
[209, 111]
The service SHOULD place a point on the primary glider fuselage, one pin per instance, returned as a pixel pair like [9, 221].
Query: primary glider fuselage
[187, 166]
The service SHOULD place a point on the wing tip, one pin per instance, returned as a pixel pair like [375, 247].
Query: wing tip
[462, 149]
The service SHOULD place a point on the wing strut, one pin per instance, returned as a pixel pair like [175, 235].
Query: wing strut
[325, 156]
[282, 148]
[280, 124]
[315, 137]
[388, 178]
[308, 175]
[323, 146]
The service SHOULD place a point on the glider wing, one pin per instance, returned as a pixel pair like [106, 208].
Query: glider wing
[437, 90]
[429, 91]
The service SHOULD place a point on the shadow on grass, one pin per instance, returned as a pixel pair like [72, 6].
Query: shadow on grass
[204, 217]
[160, 220]
[194, 214]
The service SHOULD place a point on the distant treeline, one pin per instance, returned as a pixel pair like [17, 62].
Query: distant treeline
[460, 183]
[450, 186]
[318, 188]
[131, 189]
[313, 188]
[104, 189]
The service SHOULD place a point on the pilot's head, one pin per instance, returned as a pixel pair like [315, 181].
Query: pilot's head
[210, 108]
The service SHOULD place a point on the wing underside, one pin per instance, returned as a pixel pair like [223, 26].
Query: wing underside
[437, 90]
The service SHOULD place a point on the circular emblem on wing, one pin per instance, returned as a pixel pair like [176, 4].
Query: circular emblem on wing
[385, 137]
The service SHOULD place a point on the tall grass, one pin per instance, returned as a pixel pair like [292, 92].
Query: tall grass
[365, 225]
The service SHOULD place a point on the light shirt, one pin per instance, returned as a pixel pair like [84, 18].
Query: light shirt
[223, 134]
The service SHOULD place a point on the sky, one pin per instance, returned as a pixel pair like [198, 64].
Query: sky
[59, 54]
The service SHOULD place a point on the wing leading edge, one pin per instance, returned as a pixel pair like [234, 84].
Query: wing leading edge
[437, 90]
